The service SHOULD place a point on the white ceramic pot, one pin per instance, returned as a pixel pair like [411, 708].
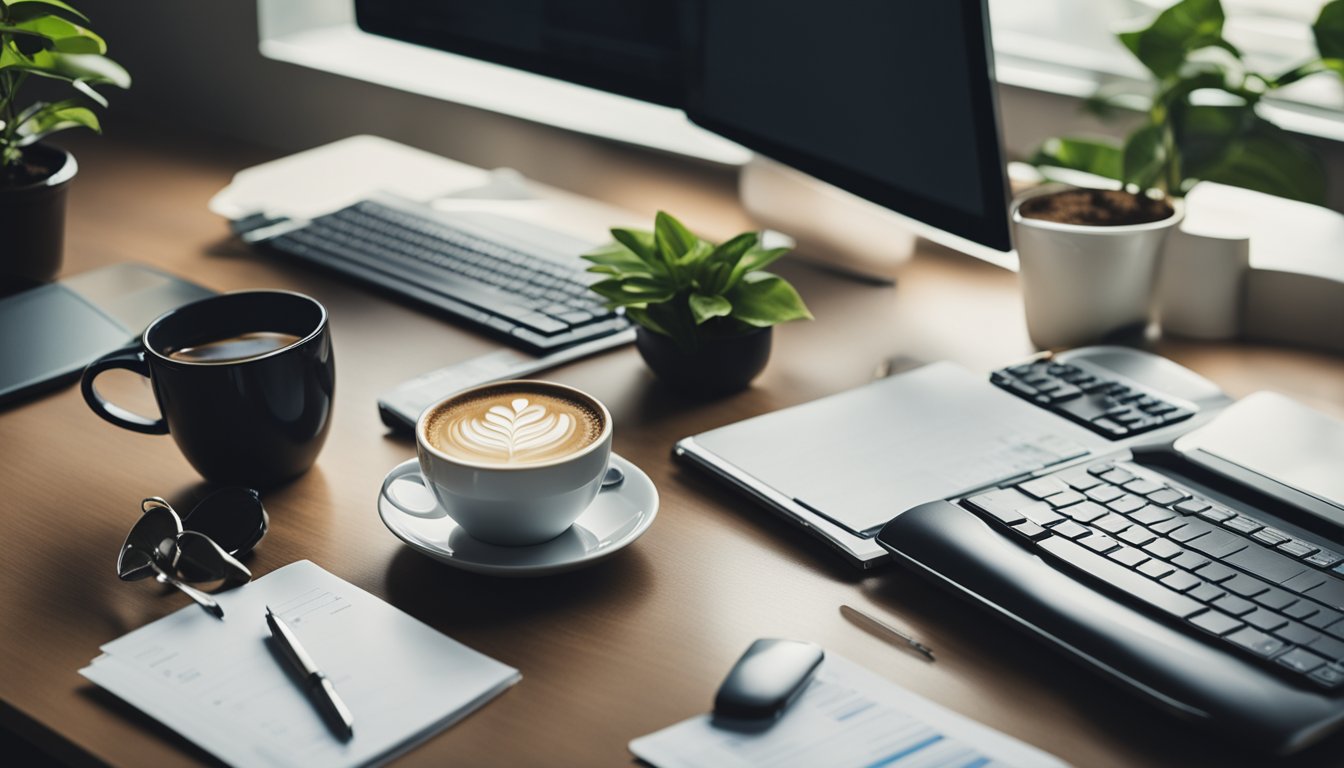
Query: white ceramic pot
[1080, 283]
[1201, 285]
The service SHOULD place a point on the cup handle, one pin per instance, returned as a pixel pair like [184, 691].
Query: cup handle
[406, 470]
[131, 359]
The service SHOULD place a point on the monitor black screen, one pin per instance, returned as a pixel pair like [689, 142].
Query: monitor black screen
[892, 100]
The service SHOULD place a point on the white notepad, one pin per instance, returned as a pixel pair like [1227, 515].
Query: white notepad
[218, 684]
[847, 718]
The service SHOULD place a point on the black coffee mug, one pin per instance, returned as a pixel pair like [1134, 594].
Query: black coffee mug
[254, 421]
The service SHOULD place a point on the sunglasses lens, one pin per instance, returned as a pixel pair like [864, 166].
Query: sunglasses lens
[200, 559]
[233, 517]
[158, 522]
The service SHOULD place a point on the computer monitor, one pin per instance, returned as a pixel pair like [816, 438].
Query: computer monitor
[892, 101]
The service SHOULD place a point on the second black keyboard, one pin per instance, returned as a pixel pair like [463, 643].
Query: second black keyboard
[536, 303]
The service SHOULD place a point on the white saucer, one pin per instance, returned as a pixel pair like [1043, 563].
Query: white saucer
[616, 517]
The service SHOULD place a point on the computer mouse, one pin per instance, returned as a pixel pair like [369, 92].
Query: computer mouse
[765, 681]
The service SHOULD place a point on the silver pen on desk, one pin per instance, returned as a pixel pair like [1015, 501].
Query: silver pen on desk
[854, 614]
[316, 685]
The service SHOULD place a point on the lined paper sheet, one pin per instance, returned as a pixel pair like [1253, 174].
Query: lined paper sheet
[219, 684]
[847, 718]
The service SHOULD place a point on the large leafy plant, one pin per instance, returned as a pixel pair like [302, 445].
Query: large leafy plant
[1199, 117]
[675, 284]
[46, 39]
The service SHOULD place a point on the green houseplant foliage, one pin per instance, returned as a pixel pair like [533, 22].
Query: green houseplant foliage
[677, 285]
[1199, 118]
[46, 39]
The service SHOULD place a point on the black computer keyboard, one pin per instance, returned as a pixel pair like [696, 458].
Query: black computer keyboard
[1102, 403]
[1257, 591]
[536, 303]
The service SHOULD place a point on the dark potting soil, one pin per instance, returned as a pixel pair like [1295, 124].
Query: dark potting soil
[1095, 207]
[33, 168]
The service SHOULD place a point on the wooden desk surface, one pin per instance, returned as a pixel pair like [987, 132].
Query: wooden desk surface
[609, 653]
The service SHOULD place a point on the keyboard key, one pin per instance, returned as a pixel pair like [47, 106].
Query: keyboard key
[1324, 559]
[1242, 524]
[1218, 544]
[1218, 623]
[1271, 536]
[1126, 504]
[1297, 634]
[1180, 581]
[1328, 647]
[1265, 564]
[1142, 486]
[1000, 505]
[1192, 529]
[1206, 593]
[1336, 630]
[1301, 609]
[1192, 506]
[1214, 514]
[1041, 514]
[1167, 496]
[1328, 677]
[1064, 498]
[1244, 585]
[1261, 618]
[1104, 493]
[1121, 578]
[1117, 476]
[1030, 530]
[1304, 581]
[1323, 618]
[1078, 479]
[1099, 543]
[1042, 487]
[1151, 515]
[1155, 569]
[1101, 469]
[1162, 548]
[1136, 535]
[1331, 593]
[1110, 428]
[1275, 598]
[1257, 642]
[1069, 530]
[1189, 560]
[1297, 548]
[1234, 605]
[1111, 523]
[1300, 660]
[1127, 556]
[1215, 572]
[1167, 526]
[1085, 512]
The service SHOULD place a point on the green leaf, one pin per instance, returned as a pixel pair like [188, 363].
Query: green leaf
[638, 241]
[91, 68]
[1329, 30]
[641, 315]
[56, 117]
[755, 259]
[619, 259]
[1101, 157]
[623, 292]
[1145, 157]
[706, 307]
[26, 9]
[763, 299]
[64, 36]
[676, 321]
[1184, 27]
[1271, 161]
[719, 264]
[672, 238]
[1204, 134]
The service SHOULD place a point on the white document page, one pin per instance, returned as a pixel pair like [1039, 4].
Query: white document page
[864, 456]
[847, 718]
[219, 684]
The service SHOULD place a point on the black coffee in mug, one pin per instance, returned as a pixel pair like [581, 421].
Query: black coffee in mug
[244, 382]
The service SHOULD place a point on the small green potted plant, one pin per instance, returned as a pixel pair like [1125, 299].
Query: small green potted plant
[704, 312]
[1089, 257]
[42, 40]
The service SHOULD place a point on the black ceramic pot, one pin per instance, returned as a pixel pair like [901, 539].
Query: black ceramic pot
[720, 366]
[32, 220]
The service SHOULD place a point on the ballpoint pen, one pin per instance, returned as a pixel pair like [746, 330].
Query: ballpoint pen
[854, 614]
[316, 685]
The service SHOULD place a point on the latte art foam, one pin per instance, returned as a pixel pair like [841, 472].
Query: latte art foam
[513, 427]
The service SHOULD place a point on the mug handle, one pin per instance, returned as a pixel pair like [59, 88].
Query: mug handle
[131, 359]
[406, 470]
